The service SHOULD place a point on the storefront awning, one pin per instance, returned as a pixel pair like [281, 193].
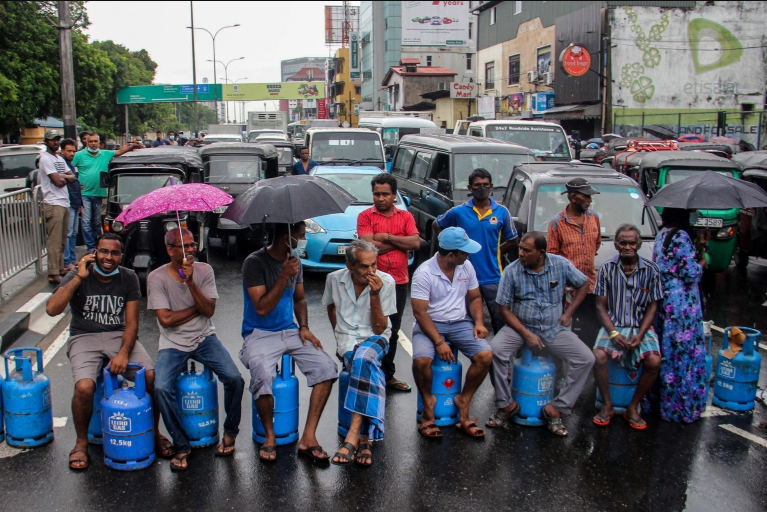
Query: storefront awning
[574, 112]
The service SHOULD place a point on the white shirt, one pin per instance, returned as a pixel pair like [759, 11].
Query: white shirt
[353, 322]
[447, 299]
[50, 164]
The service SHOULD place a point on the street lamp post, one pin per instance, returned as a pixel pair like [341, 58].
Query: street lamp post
[226, 78]
[213, 37]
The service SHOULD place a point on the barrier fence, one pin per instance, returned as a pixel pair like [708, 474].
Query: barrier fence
[22, 232]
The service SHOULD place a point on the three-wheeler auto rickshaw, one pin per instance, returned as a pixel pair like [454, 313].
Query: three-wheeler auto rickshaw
[752, 237]
[288, 155]
[665, 167]
[723, 150]
[137, 173]
[235, 167]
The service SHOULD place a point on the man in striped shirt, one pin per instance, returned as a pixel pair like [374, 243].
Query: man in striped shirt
[628, 288]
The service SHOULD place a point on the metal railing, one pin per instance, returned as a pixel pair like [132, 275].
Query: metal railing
[22, 232]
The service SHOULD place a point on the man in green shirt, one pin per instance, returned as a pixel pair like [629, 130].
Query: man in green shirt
[90, 164]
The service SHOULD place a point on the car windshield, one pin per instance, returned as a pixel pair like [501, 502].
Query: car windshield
[393, 135]
[357, 185]
[286, 156]
[499, 166]
[677, 175]
[543, 140]
[128, 187]
[17, 166]
[233, 169]
[615, 205]
[364, 146]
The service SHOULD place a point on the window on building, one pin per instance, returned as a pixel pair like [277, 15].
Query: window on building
[471, 31]
[442, 86]
[428, 60]
[514, 69]
[490, 75]
[468, 62]
[493, 16]
[517, 7]
[543, 61]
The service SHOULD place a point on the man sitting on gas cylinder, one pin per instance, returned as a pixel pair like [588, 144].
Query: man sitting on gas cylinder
[360, 299]
[442, 286]
[273, 289]
[104, 300]
[184, 307]
[627, 291]
[530, 304]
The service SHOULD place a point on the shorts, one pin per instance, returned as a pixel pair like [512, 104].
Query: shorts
[629, 359]
[459, 334]
[88, 353]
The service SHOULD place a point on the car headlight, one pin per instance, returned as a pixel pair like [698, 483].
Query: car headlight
[725, 232]
[118, 226]
[170, 225]
[312, 228]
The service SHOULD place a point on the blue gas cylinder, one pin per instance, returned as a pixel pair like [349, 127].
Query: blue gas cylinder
[127, 422]
[532, 387]
[2, 421]
[197, 400]
[446, 383]
[95, 435]
[344, 415]
[623, 385]
[27, 401]
[736, 379]
[285, 414]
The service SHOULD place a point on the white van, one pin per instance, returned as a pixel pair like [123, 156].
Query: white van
[345, 146]
[393, 128]
[16, 162]
[547, 140]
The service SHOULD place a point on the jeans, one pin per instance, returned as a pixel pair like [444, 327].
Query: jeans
[91, 220]
[170, 362]
[387, 365]
[69, 248]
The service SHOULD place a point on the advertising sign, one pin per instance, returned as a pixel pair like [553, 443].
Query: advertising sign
[275, 91]
[516, 102]
[354, 58]
[435, 23]
[486, 107]
[543, 101]
[463, 90]
[575, 60]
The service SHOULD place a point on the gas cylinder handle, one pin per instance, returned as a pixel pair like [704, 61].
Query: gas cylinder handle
[286, 363]
[110, 381]
[26, 361]
[749, 346]
[527, 355]
[726, 340]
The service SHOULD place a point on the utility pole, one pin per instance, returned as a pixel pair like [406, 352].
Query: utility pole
[67, 72]
[194, 74]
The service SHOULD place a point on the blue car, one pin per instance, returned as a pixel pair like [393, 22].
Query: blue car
[328, 236]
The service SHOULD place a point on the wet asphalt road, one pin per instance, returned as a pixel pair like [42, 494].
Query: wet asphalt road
[668, 467]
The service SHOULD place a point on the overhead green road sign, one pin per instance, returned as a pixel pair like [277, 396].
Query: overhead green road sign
[166, 93]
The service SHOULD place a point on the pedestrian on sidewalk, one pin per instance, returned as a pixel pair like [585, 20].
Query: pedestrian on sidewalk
[159, 141]
[104, 300]
[172, 138]
[393, 232]
[68, 150]
[184, 307]
[628, 290]
[489, 224]
[90, 164]
[53, 175]
[83, 138]
[360, 299]
[442, 288]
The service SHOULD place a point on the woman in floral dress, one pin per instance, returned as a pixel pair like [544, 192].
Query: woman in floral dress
[682, 381]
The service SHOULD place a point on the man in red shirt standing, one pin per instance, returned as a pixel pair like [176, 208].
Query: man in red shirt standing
[394, 233]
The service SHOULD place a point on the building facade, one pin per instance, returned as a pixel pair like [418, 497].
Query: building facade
[345, 89]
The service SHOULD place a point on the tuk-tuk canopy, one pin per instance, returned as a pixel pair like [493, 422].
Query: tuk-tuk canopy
[186, 158]
[239, 148]
[752, 159]
[689, 159]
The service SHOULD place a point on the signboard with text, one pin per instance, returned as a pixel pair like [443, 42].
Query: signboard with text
[435, 23]
[165, 93]
[275, 91]
[463, 90]
[354, 58]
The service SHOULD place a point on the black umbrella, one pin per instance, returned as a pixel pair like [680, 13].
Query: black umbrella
[709, 190]
[288, 199]
[660, 131]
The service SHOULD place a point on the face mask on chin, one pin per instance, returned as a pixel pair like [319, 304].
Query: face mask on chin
[93, 151]
[112, 273]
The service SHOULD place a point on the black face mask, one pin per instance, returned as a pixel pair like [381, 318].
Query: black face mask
[481, 194]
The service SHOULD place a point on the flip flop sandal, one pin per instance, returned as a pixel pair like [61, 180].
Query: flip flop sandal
[87, 460]
[310, 452]
[54, 280]
[431, 431]
[364, 456]
[268, 449]
[467, 429]
[399, 385]
[500, 418]
[633, 423]
[600, 420]
[346, 457]
[220, 451]
[556, 426]
[183, 457]
[164, 448]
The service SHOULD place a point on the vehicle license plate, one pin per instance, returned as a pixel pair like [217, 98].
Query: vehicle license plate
[342, 249]
[221, 209]
[708, 222]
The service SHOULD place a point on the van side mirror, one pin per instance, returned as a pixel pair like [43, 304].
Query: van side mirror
[104, 181]
[407, 201]
[443, 186]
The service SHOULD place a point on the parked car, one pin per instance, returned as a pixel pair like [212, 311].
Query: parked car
[18, 167]
[328, 236]
[345, 146]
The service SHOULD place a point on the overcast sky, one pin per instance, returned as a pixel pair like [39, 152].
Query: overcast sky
[268, 33]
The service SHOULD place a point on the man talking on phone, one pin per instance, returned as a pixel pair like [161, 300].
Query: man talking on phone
[104, 299]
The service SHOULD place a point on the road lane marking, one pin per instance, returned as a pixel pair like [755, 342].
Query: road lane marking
[60, 422]
[59, 342]
[712, 411]
[404, 341]
[719, 329]
[748, 435]
[759, 262]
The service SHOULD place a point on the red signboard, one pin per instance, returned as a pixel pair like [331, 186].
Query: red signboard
[321, 113]
[575, 60]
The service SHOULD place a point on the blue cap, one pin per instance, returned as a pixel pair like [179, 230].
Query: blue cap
[456, 239]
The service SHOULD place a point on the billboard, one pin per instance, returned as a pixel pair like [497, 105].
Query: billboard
[435, 23]
[164, 93]
[275, 91]
[340, 22]
[290, 67]
[463, 90]
[354, 58]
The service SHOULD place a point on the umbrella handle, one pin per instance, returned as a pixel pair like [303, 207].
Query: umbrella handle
[181, 239]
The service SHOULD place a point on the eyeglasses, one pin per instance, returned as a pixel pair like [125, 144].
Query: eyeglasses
[193, 245]
[477, 186]
[104, 252]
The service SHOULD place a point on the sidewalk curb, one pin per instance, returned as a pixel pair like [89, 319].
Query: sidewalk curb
[29, 324]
